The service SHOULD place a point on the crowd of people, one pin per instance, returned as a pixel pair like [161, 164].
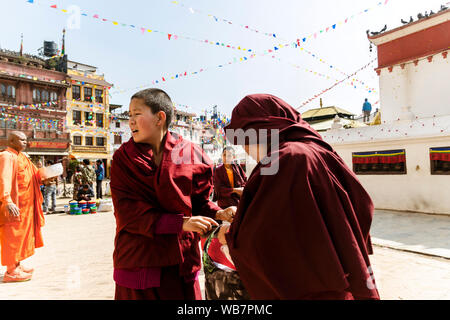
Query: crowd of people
[298, 232]
[83, 180]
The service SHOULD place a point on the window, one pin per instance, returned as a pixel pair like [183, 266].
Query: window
[2, 123]
[89, 141]
[2, 89]
[76, 117]
[11, 92]
[99, 120]
[99, 96]
[379, 162]
[117, 139]
[77, 140]
[88, 119]
[100, 141]
[44, 96]
[36, 95]
[87, 94]
[76, 92]
[53, 96]
[118, 124]
[440, 160]
[11, 124]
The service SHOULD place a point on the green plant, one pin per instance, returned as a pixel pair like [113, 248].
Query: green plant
[73, 164]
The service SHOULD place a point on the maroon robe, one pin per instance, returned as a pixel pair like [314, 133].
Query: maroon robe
[142, 192]
[223, 191]
[302, 233]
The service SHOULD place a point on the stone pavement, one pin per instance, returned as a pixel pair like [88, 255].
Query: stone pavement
[413, 232]
[76, 261]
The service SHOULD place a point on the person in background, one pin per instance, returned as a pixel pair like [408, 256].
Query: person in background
[77, 180]
[100, 172]
[229, 180]
[50, 186]
[85, 193]
[367, 108]
[88, 174]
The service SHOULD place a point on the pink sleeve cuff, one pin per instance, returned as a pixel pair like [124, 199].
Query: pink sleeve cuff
[169, 224]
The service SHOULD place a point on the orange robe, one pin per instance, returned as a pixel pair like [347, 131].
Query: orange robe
[19, 183]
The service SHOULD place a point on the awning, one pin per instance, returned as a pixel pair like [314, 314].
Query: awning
[37, 153]
[92, 156]
[390, 156]
[440, 154]
[90, 80]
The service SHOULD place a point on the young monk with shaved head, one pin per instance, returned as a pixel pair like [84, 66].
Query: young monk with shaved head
[21, 216]
[160, 185]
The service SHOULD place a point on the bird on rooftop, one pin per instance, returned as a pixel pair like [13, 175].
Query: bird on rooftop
[420, 16]
[431, 13]
[443, 8]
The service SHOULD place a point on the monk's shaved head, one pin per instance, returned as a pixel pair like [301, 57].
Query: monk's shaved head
[16, 134]
[17, 140]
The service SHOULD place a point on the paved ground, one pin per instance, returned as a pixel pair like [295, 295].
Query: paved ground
[76, 262]
[415, 232]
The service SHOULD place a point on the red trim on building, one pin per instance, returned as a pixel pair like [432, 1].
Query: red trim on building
[444, 52]
[415, 45]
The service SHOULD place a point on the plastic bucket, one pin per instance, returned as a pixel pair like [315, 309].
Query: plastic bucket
[76, 211]
[91, 204]
[93, 209]
[82, 204]
[66, 209]
[73, 204]
[85, 211]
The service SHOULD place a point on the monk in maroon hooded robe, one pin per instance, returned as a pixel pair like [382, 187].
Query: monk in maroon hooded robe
[303, 232]
[160, 185]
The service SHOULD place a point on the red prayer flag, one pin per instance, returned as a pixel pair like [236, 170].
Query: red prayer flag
[53, 6]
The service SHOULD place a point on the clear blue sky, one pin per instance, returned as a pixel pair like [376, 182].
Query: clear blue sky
[130, 59]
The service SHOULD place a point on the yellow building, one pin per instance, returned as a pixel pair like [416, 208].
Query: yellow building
[88, 114]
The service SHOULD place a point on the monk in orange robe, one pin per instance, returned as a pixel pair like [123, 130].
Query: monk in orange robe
[21, 215]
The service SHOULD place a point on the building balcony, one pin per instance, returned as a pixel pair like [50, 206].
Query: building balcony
[7, 99]
[89, 149]
[53, 135]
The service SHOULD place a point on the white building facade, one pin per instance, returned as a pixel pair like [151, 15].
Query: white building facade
[404, 163]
